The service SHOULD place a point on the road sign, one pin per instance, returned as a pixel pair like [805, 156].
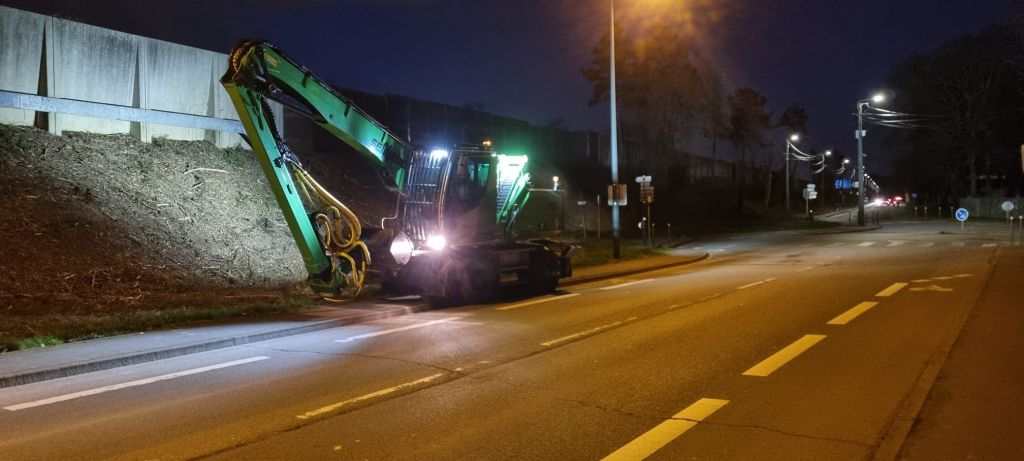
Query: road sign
[646, 189]
[617, 194]
[642, 179]
[1007, 206]
[962, 214]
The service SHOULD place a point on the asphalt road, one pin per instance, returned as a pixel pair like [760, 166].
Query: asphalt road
[780, 346]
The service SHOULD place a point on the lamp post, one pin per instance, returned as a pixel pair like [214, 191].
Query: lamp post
[824, 169]
[860, 153]
[789, 143]
[616, 251]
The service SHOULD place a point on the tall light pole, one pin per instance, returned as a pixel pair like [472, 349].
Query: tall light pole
[824, 169]
[789, 143]
[616, 252]
[860, 153]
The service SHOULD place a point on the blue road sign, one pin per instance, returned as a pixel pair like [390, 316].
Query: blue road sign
[962, 214]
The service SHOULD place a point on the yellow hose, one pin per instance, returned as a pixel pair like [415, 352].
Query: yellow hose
[337, 243]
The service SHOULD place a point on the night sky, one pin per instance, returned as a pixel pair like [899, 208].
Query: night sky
[522, 58]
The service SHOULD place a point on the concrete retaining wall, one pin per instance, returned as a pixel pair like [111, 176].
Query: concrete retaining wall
[58, 58]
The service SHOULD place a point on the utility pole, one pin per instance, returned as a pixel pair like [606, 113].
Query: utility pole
[616, 250]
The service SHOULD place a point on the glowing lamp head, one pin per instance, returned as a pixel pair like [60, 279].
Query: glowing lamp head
[487, 143]
[436, 242]
[878, 98]
[828, 153]
[438, 154]
[401, 248]
[794, 137]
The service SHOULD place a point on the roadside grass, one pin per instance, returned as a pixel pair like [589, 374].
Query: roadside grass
[597, 252]
[53, 329]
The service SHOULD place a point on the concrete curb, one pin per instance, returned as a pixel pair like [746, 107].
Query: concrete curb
[106, 363]
[143, 356]
[598, 277]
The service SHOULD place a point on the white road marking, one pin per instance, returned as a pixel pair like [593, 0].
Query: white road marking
[625, 284]
[837, 244]
[139, 382]
[744, 287]
[536, 301]
[854, 312]
[805, 269]
[395, 330]
[780, 358]
[958, 244]
[927, 244]
[944, 277]
[865, 244]
[896, 243]
[335, 406]
[960, 276]
[931, 288]
[891, 290]
[656, 438]
[989, 245]
[587, 332]
[921, 281]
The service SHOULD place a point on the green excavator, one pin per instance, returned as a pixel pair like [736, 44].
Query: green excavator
[467, 221]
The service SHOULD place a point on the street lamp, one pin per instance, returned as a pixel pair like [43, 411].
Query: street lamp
[616, 252]
[789, 143]
[878, 98]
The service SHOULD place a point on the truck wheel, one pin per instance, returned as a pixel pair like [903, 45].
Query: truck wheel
[543, 275]
[476, 281]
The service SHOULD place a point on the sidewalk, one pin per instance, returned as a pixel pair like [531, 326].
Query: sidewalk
[975, 409]
[45, 363]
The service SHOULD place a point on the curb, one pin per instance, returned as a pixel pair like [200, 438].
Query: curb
[594, 278]
[63, 371]
[106, 363]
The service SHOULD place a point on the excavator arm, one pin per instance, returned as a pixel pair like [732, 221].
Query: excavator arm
[327, 234]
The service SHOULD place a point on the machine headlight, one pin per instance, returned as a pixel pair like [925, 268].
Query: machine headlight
[401, 248]
[436, 242]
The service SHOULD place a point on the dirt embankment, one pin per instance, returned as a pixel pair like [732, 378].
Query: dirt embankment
[103, 223]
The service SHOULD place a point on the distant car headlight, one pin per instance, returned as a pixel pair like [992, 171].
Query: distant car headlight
[436, 242]
[401, 248]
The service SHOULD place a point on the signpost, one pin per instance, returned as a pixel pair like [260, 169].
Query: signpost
[809, 194]
[647, 198]
[961, 215]
[1007, 207]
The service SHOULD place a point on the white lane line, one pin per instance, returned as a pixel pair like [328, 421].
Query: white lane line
[656, 438]
[744, 287]
[892, 289]
[960, 276]
[335, 406]
[625, 284]
[921, 281]
[139, 382]
[896, 243]
[854, 312]
[944, 277]
[989, 245]
[536, 301]
[927, 244]
[865, 244]
[780, 358]
[587, 332]
[395, 330]
[805, 269]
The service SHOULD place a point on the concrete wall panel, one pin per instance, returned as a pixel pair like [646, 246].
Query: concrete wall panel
[173, 78]
[92, 64]
[21, 53]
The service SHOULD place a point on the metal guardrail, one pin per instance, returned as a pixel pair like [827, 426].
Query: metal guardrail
[115, 112]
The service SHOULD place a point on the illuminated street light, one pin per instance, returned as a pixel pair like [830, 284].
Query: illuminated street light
[788, 143]
[860, 152]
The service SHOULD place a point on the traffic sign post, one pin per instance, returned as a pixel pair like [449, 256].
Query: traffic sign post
[647, 198]
[809, 194]
[961, 215]
[1007, 207]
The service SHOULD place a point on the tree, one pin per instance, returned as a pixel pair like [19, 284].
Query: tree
[661, 87]
[967, 103]
[748, 122]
